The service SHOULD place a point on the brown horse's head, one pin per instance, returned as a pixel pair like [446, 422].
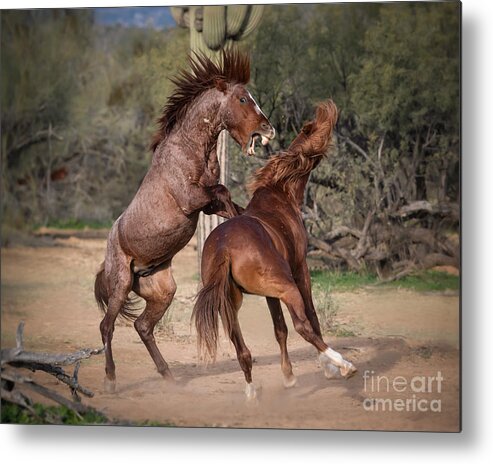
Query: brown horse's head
[224, 83]
[244, 119]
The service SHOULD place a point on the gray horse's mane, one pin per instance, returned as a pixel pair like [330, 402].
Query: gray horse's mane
[204, 74]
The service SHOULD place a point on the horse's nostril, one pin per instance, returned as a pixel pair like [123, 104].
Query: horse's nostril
[265, 126]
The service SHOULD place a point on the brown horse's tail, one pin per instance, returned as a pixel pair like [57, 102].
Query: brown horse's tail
[101, 294]
[214, 300]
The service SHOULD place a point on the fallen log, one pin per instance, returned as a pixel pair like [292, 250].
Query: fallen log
[16, 358]
[382, 245]
[415, 208]
[334, 251]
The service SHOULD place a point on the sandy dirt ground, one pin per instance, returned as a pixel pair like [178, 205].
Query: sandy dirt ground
[406, 349]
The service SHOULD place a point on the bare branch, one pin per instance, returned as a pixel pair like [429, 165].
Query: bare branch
[363, 244]
[342, 231]
[58, 359]
[408, 270]
[39, 137]
[358, 149]
[59, 373]
[19, 336]
[49, 363]
[380, 148]
[333, 250]
[441, 209]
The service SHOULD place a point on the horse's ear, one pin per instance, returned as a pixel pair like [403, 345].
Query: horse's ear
[221, 84]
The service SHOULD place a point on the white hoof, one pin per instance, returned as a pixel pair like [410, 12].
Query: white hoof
[331, 359]
[331, 371]
[250, 392]
[290, 382]
[348, 370]
[109, 385]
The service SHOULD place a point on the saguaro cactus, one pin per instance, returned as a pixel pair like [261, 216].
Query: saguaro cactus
[213, 28]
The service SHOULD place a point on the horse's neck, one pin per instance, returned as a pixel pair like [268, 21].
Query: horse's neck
[299, 190]
[270, 198]
[298, 185]
[195, 137]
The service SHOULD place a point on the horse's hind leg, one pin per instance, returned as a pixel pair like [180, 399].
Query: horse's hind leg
[304, 284]
[274, 279]
[245, 359]
[292, 298]
[242, 352]
[281, 332]
[270, 275]
[120, 284]
[158, 289]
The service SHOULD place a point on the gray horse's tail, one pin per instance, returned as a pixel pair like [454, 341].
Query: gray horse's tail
[101, 293]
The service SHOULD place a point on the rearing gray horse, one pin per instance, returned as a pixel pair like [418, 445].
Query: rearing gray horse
[182, 181]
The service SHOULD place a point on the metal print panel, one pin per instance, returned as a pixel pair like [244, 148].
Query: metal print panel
[239, 216]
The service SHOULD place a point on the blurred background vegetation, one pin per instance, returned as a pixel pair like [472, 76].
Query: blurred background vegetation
[80, 97]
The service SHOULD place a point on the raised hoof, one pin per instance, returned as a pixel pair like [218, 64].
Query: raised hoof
[290, 382]
[109, 385]
[332, 358]
[331, 371]
[348, 370]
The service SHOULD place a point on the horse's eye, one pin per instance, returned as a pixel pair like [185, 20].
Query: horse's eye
[243, 100]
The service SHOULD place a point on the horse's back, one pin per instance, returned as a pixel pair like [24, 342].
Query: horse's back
[241, 233]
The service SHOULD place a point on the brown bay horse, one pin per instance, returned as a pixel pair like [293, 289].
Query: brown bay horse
[182, 181]
[263, 252]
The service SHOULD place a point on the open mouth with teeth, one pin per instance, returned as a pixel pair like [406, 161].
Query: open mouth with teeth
[251, 144]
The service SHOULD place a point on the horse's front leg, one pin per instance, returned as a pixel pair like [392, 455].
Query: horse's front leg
[221, 203]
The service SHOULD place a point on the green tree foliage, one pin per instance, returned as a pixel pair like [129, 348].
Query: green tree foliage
[36, 93]
[407, 90]
[79, 103]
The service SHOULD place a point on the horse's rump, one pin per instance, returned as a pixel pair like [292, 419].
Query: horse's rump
[130, 308]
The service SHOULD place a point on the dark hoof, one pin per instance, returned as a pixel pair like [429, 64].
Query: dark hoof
[168, 376]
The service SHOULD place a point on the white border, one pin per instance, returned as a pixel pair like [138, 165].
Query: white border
[131, 445]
